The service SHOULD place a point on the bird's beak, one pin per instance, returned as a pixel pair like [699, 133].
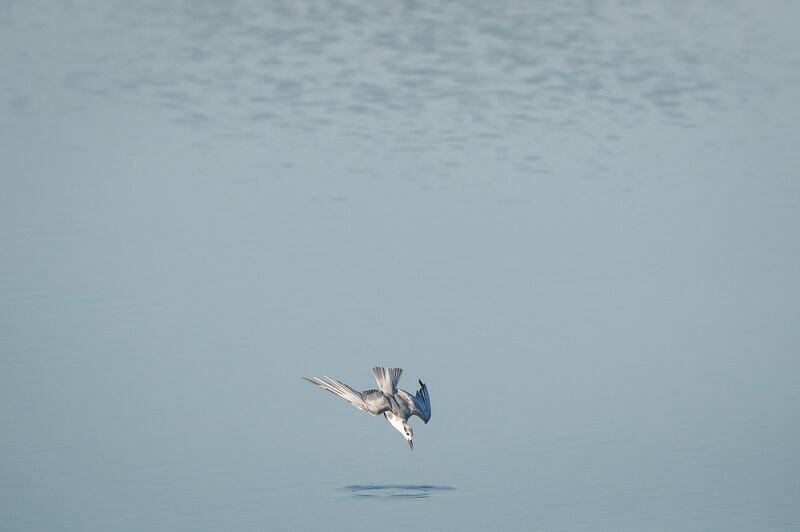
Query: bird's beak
[411, 444]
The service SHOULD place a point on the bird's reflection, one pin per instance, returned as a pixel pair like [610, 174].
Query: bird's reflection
[395, 491]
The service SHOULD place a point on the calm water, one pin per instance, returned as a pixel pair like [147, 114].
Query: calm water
[583, 213]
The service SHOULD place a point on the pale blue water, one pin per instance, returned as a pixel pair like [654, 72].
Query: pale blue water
[585, 213]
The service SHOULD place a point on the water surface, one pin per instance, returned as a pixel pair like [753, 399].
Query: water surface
[583, 213]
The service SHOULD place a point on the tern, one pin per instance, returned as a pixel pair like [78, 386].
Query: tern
[396, 405]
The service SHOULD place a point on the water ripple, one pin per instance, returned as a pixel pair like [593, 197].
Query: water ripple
[395, 491]
[299, 68]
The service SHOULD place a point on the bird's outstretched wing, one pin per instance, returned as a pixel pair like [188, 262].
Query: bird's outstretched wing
[420, 404]
[370, 401]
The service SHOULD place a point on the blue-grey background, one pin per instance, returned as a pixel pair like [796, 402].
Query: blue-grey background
[577, 221]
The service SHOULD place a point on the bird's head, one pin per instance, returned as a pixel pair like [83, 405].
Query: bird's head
[408, 432]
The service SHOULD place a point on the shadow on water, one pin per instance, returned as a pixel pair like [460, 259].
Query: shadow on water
[395, 491]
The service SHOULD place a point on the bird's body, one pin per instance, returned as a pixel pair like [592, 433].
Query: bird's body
[395, 404]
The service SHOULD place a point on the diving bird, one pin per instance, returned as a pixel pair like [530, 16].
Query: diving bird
[396, 405]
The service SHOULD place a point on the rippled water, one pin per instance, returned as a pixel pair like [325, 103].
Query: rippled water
[395, 491]
[576, 221]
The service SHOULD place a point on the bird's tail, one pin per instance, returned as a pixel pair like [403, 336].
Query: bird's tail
[387, 379]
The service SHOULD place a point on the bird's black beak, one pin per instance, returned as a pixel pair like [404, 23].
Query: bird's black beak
[411, 444]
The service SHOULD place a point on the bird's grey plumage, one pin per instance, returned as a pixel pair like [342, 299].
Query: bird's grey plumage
[395, 404]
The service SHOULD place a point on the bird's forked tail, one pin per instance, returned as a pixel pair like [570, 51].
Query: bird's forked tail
[387, 379]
